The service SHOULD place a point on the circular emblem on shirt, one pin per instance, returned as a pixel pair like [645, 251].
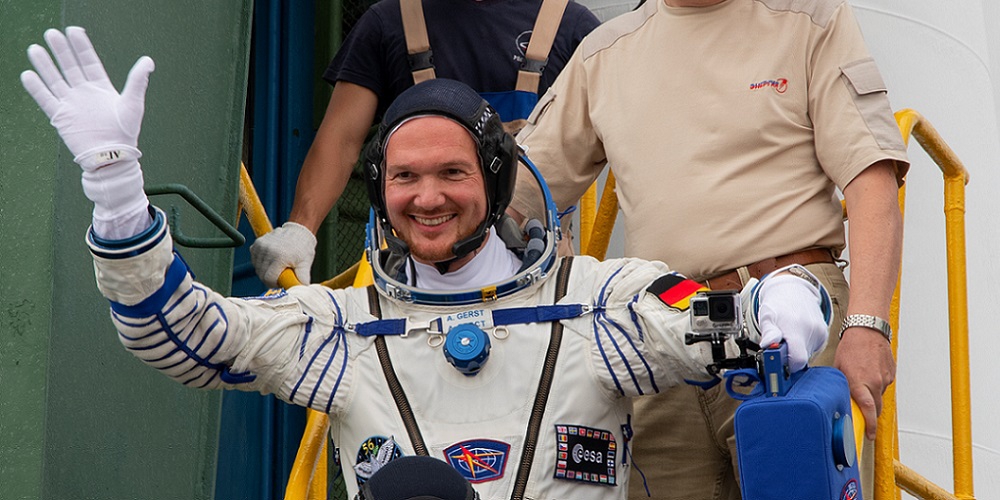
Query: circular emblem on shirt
[373, 454]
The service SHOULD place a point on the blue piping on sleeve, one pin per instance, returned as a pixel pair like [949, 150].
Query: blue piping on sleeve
[621, 355]
[152, 305]
[607, 362]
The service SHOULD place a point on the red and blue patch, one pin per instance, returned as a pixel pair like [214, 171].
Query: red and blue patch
[850, 491]
[479, 460]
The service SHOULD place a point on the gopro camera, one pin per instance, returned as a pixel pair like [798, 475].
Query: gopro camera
[716, 312]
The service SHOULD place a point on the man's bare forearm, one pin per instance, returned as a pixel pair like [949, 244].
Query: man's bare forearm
[334, 152]
[875, 235]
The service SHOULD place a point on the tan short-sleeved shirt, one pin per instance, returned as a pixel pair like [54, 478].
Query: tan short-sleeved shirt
[728, 128]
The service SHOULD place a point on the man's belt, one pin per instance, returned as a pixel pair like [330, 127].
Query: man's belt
[731, 280]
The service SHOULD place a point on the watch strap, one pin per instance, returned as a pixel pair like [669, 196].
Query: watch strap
[868, 321]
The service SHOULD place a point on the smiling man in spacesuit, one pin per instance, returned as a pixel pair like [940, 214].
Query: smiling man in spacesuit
[475, 347]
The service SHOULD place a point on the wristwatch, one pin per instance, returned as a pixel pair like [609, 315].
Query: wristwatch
[868, 321]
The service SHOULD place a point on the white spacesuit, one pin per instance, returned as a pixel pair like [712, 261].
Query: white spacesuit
[299, 346]
[523, 385]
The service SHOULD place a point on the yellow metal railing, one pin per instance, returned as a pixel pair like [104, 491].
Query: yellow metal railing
[890, 474]
[307, 480]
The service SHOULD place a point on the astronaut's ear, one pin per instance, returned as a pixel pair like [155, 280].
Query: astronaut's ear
[374, 174]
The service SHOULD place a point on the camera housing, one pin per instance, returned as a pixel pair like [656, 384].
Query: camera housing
[717, 311]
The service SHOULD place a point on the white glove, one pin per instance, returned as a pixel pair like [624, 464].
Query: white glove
[99, 125]
[290, 246]
[790, 308]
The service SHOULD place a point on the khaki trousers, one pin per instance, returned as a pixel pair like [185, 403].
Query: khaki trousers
[684, 440]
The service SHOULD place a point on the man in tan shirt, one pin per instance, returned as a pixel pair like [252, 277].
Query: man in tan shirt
[730, 125]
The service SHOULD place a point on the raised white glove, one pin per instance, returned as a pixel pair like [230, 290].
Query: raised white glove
[290, 246]
[790, 308]
[99, 125]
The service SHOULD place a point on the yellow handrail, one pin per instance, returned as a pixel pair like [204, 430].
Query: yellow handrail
[604, 221]
[890, 474]
[588, 214]
[303, 481]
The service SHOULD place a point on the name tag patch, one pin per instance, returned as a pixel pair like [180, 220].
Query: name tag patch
[482, 318]
[585, 454]
[478, 460]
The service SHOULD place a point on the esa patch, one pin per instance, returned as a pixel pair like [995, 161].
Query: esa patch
[478, 460]
[675, 290]
[374, 453]
[585, 454]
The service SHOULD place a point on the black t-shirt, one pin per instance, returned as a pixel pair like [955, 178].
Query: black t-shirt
[480, 43]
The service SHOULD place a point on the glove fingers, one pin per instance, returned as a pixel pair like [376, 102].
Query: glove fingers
[138, 80]
[64, 55]
[303, 275]
[46, 69]
[40, 93]
[270, 275]
[769, 332]
[798, 357]
[90, 64]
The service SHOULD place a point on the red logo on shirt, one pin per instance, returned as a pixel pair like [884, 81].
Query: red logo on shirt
[779, 85]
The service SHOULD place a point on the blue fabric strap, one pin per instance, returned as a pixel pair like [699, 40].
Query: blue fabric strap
[381, 327]
[744, 377]
[538, 314]
[706, 385]
[501, 317]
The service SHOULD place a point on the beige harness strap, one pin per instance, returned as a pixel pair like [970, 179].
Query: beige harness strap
[542, 36]
[418, 47]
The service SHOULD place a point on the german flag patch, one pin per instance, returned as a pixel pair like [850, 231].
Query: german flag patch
[675, 290]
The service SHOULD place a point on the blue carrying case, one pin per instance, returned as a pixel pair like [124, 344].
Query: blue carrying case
[799, 445]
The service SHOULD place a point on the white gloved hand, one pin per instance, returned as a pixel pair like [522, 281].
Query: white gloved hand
[99, 125]
[790, 309]
[290, 246]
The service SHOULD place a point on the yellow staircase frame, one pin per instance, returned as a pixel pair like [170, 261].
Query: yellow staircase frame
[596, 225]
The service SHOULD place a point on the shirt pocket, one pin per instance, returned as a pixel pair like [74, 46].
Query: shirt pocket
[869, 92]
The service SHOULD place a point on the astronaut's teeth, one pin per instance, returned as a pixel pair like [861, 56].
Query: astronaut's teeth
[435, 221]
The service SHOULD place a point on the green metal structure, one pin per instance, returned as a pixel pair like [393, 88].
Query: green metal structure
[79, 417]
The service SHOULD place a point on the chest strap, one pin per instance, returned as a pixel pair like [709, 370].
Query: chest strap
[544, 385]
[490, 319]
[395, 388]
[541, 396]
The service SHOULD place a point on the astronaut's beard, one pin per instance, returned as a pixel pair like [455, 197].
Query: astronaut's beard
[440, 251]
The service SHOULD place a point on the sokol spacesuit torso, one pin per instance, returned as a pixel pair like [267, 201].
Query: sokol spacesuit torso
[299, 346]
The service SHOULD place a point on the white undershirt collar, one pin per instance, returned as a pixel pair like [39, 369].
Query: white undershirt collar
[494, 263]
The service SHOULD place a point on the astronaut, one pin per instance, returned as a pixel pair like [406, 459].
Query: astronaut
[476, 345]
